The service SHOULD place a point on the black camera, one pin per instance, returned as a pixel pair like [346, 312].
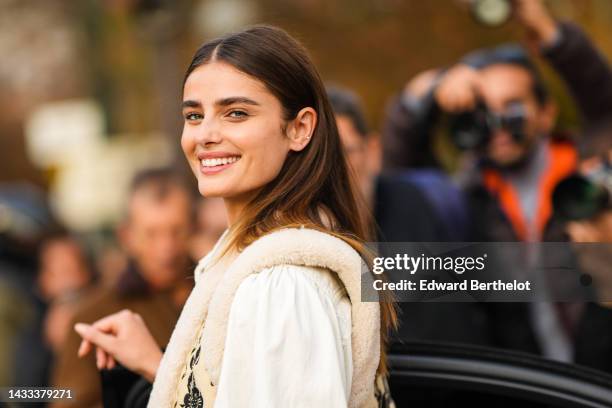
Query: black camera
[582, 196]
[473, 129]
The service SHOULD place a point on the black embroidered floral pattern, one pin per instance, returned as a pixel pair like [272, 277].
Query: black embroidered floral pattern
[193, 398]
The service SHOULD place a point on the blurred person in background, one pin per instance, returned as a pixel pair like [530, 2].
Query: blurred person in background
[64, 275]
[24, 222]
[155, 235]
[584, 201]
[211, 222]
[499, 109]
[404, 211]
[412, 116]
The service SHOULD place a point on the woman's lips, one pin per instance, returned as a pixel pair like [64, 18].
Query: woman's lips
[217, 165]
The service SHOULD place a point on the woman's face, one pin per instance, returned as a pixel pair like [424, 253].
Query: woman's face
[233, 134]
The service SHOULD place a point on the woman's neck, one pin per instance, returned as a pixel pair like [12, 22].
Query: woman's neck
[233, 210]
[234, 206]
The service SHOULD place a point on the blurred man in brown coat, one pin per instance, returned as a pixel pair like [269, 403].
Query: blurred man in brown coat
[155, 284]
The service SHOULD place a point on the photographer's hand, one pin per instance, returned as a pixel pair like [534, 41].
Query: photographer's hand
[422, 83]
[124, 337]
[534, 17]
[458, 89]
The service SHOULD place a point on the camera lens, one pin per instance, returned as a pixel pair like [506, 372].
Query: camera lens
[470, 130]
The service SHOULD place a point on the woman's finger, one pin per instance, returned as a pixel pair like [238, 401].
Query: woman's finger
[84, 348]
[110, 362]
[108, 324]
[100, 358]
[97, 337]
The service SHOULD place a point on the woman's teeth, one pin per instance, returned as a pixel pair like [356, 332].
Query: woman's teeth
[219, 161]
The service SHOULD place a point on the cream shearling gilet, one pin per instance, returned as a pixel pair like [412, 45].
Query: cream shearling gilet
[211, 303]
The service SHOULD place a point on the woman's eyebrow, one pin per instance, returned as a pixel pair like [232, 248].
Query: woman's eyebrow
[235, 99]
[191, 104]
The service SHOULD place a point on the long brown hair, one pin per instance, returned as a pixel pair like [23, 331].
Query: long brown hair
[314, 188]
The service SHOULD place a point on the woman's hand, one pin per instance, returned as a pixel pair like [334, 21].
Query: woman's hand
[123, 337]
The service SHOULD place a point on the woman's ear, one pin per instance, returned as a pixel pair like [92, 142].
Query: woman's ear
[301, 128]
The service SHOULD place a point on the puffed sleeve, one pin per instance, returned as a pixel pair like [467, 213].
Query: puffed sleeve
[287, 344]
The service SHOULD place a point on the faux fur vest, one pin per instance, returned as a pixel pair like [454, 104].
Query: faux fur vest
[305, 247]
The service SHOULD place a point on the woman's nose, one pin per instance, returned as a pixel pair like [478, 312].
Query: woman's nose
[209, 132]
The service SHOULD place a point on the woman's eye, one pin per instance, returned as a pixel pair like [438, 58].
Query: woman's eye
[237, 114]
[193, 116]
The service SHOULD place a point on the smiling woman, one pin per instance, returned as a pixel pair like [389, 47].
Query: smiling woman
[235, 134]
[275, 318]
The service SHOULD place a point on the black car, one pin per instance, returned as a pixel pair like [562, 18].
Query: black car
[436, 375]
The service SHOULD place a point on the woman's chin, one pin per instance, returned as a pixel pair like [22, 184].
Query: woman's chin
[207, 193]
[209, 190]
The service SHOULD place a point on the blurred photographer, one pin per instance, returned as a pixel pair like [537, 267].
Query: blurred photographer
[504, 84]
[499, 109]
[503, 112]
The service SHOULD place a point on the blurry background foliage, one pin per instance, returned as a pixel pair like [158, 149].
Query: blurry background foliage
[128, 56]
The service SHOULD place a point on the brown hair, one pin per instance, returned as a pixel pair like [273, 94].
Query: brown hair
[313, 188]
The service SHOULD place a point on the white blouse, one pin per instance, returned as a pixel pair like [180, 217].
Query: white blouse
[288, 341]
